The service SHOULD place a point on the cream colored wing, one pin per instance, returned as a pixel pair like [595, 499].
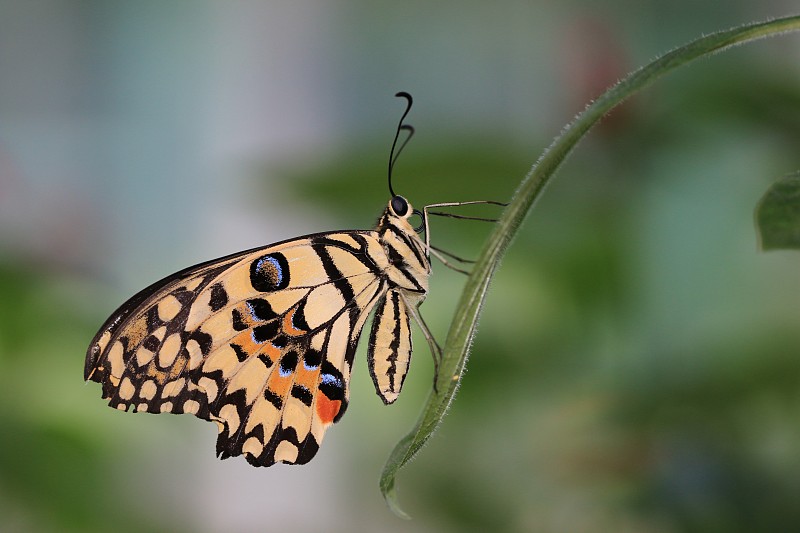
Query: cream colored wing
[260, 342]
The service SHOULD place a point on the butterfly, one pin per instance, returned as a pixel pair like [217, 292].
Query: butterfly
[262, 342]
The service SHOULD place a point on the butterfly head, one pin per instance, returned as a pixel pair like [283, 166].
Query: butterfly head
[400, 207]
[401, 211]
[398, 213]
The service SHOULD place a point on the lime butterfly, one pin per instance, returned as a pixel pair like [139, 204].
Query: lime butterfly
[262, 342]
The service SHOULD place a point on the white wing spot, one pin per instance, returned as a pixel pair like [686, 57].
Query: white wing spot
[115, 359]
[193, 284]
[253, 446]
[169, 350]
[173, 388]
[231, 415]
[224, 358]
[143, 356]
[209, 386]
[286, 452]
[148, 390]
[195, 354]
[191, 407]
[126, 389]
[103, 342]
[168, 308]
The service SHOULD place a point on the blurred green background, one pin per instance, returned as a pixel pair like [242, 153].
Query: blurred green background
[636, 366]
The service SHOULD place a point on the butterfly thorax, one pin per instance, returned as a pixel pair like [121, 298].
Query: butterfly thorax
[408, 266]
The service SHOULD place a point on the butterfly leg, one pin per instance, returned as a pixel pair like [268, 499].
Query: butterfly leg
[425, 213]
[436, 350]
[440, 256]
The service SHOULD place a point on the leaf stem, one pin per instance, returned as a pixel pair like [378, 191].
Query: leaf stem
[462, 328]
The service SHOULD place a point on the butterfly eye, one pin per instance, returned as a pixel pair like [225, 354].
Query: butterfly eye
[399, 206]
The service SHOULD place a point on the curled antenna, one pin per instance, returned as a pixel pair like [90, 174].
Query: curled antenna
[400, 126]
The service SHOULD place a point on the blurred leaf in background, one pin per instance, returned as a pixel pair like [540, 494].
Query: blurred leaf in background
[56, 462]
[778, 215]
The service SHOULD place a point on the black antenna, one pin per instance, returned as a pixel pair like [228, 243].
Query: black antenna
[400, 126]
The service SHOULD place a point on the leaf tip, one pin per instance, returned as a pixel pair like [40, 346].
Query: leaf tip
[390, 496]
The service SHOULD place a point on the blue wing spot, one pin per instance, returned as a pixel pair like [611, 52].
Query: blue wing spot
[288, 364]
[330, 379]
[312, 359]
[260, 309]
[269, 272]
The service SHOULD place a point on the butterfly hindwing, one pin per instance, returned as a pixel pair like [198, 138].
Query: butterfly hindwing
[261, 343]
[389, 352]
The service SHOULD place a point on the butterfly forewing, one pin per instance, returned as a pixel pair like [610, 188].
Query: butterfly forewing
[262, 342]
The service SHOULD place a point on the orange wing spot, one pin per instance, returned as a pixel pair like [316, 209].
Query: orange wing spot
[288, 324]
[327, 409]
[270, 350]
[245, 341]
[279, 384]
[306, 378]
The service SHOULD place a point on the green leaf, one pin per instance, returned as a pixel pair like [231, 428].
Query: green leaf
[462, 329]
[778, 215]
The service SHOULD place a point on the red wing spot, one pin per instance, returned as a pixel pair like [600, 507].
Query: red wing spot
[327, 409]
